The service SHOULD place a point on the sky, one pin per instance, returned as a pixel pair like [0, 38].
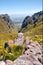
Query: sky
[20, 6]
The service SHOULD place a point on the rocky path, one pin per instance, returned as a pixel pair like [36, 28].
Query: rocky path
[32, 55]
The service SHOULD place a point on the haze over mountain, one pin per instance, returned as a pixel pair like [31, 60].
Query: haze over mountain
[17, 19]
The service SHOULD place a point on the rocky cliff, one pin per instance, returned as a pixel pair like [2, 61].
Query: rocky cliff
[9, 23]
[32, 20]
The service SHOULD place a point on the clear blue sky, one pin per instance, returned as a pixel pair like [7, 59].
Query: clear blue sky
[20, 6]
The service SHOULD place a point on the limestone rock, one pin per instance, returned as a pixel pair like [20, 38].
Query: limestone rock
[20, 39]
[27, 40]
[2, 63]
[9, 62]
[10, 42]
[27, 60]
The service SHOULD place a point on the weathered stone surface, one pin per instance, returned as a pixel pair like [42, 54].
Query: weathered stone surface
[9, 62]
[32, 55]
[2, 63]
[20, 39]
[27, 41]
[27, 60]
[10, 42]
[22, 60]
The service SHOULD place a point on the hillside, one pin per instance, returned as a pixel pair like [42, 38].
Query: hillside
[32, 26]
[29, 20]
[21, 48]
[7, 28]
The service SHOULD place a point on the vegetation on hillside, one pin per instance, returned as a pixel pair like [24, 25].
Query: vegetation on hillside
[32, 27]
[11, 52]
[6, 33]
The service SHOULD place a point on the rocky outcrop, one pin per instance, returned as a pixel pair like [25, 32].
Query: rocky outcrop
[19, 39]
[26, 21]
[29, 20]
[9, 62]
[31, 56]
[2, 63]
[6, 18]
[9, 23]
[27, 60]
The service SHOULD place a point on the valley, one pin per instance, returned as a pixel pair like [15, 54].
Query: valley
[21, 40]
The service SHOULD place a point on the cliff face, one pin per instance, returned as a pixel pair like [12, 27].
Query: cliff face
[6, 19]
[32, 20]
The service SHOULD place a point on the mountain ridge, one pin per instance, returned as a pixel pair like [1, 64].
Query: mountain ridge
[32, 26]
[32, 19]
[7, 28]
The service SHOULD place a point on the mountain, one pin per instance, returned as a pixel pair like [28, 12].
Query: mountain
[7, 28]
[33, 19]
[8, 21]
[32, 26]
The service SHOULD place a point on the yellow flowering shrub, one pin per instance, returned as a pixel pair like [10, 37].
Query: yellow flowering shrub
[12, 45]
[1, 47]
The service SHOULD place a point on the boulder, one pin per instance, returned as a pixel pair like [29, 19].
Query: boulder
[22, 60]
[9, 62]
[10, 42]
[27, 60]
[19, 39]
[20, 34]
[27, 40]
[2, 63]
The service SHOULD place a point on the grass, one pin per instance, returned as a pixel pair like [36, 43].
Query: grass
[4, 32]
[15, 50]
[31, 32]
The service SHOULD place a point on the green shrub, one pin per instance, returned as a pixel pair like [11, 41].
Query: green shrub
[11, 53]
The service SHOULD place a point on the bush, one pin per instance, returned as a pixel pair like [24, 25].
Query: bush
[11, 53]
